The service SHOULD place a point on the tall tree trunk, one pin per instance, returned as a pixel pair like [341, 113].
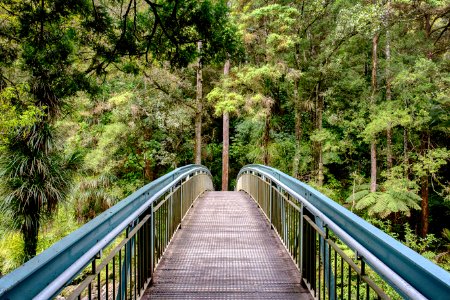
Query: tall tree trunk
[298, 130]
[424, 187]
[424, 145]
[320, 104]
[389, 158]
[199, 108]
[266, 137]
[225, 137]
[373, 144]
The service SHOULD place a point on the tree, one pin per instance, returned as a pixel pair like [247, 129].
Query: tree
[36, 176]
[59, 45]
[225, 137]
[199, 110]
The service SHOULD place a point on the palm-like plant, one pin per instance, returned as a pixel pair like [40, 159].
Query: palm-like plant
[35, 178]
[34, 173]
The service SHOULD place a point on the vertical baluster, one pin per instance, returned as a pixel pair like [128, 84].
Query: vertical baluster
[114, 276]
[335, 274]
[342, 277]
[99, 285]
[300, 243]
[358, 280]
[125, 266]
[329, 271]
[107, 281]
[349, 282]
[319, 263]
[322, 248]
[120, 274]
[308, 259]
[152, 241]
[135, 266]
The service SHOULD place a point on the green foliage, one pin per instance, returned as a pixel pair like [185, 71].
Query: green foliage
[387, 115]
[225, 101]
[12, 116]
[432, 161]
[395, 195]
[298, 94]
[11, 251]
[418, 244]
[11, 241]
[93, 196]
[443, 258]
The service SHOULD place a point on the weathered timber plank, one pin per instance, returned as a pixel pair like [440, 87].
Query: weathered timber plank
[226, 250]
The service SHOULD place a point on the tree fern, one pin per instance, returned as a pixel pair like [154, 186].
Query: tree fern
[393, 196]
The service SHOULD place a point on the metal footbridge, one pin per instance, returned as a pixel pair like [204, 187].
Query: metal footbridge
[274, 237]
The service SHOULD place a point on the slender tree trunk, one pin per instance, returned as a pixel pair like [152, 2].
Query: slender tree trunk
[266, 137]
[424, 182]
[389, 158]
[199, 108]
[424, 145]
[225, 150]
[373, 144]
[320, 175]
[225, 138]
[298, 131]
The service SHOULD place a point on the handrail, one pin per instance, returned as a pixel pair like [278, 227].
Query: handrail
[411, 274]
[47, 273]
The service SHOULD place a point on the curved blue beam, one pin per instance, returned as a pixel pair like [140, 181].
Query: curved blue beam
[426, 277]
[35, 276]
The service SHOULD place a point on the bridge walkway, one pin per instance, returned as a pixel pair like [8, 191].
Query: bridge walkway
[226, 249]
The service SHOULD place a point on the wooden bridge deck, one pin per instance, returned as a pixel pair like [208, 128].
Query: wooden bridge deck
[226, 249]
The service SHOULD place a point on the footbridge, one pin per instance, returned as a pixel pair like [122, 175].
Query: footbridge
[274, 237]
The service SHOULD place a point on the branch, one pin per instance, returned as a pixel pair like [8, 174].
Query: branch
[153, 6]
[107, 61]
[8, 11]
[442, 32]
[149, 39]
[440, 15]
[317, 17]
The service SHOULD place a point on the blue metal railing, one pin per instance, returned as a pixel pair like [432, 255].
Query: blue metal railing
[154, 210]
[410, 274]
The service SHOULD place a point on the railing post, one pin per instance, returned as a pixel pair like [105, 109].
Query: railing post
[300, 242]
[283, 220]
[181, 201]
[171, 221]
[257, 189]
[152, 242]
[271, 204]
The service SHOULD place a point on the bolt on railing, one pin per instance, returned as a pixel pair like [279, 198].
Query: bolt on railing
[125, 255]
[323, 250]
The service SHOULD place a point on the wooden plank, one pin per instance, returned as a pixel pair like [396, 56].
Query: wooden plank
[226, 249]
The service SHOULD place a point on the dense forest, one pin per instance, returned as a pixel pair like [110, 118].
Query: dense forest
[98, 98]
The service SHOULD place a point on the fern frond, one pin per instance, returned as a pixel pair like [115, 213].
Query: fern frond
[361, 187]
[367, 201]
[357, 196]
